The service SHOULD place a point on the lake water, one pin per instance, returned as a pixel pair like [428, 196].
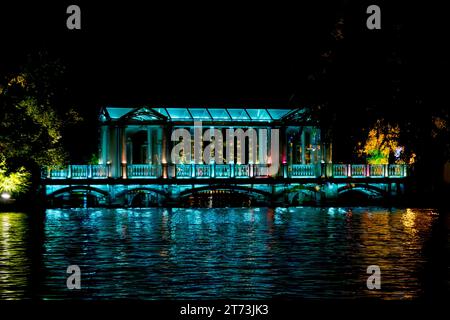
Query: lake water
[243, 253]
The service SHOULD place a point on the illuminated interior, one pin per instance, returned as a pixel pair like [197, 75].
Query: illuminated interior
[136, 142]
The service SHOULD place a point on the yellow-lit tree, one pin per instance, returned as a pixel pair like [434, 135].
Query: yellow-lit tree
[14, 182]
[32, 121]
[382, 142]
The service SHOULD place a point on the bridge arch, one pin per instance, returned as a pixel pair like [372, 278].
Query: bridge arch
[300, 194]
[226, 195]
[79, 196]
[226, 187]
[367, 189]
[142, 197]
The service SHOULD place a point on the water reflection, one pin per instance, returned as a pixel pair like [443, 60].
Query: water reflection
[15, 262]
[221, 253]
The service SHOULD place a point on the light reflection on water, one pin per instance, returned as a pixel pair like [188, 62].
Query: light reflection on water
[15, 262]
[220, 253]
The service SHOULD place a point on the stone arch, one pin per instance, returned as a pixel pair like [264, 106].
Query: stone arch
[367, 189]
[304, 193]
[226, 187]
[79, 195]
[142, 197]
[235, 193]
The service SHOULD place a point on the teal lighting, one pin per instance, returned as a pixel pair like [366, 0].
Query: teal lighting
[200, 114]
[259, 114]
[238, 114]
[179, 114]
[194, 114]
[278, 113]
[117, 113]
[219, 114]
[162, 111]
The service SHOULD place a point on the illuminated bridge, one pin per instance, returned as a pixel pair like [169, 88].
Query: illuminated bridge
[253, 156]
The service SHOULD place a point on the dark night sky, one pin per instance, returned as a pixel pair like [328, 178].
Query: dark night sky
[135, 53]
[230, 54]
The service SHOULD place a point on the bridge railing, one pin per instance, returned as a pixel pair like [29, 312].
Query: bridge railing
[358, 170]
[144, 171]
[89, 171]
[303, 171]
[347, 171]
[52, 173]
[369, 170]
[242, 170]
[202, 171]
[397, 170]
[377, 170]
[340, 170]
[231, 171]
[261, 170]
[222, 171]
[183, 171]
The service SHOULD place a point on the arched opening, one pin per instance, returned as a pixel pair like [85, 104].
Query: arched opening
[305, 197]
[359, 196]
[142, 198]
[222, 197]
[79, 197]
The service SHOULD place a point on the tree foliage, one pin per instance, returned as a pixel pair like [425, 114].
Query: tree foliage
[33, 118]
[382, 145]
[14, 182]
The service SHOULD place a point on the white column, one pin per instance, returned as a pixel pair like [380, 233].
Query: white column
[104, 145]
[149, 145]
[115, 153]
[159, 146]
[123, 152]
[262, 145]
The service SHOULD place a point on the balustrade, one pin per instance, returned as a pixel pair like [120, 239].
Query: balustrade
[231, 171]
[303, 170]
[144, 171]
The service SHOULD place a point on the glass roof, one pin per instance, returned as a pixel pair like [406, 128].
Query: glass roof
[116, 113]
[278, 113]
[219, 114]
[258, 114]
[222, 114]
[179, 113]
[239, 114]
[163, 111]
[202, 114]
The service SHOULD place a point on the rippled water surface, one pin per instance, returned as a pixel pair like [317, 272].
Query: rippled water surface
[218, 253]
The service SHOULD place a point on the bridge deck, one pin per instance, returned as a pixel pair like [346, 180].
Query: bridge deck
[216, 181]
[185, 173]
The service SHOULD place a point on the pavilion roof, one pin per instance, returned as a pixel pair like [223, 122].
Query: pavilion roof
[208, 114]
